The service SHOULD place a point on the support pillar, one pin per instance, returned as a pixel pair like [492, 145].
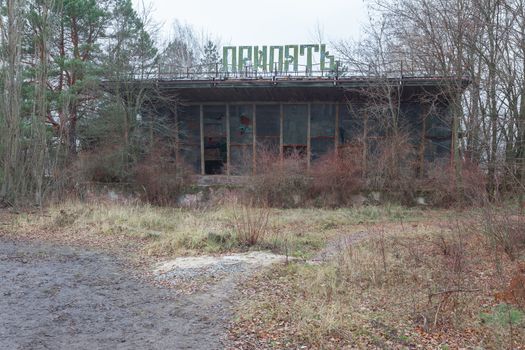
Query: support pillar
[308, 138]
[201, 121]
[177, 138]
[281, 128]
[336, 141]
[228, 158]
[254, 150]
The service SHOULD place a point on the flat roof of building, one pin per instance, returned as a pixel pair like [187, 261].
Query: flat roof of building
[291, 88]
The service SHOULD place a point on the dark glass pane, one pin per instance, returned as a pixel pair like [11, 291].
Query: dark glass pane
[241, 124]
[268, 125]
[241, 159]
[189, 124]
[322, 120]
[295, 128]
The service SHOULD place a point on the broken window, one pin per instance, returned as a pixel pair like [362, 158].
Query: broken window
[215, 146]
[322, 129]
[241, 139]
[295, 129]
[189, 136]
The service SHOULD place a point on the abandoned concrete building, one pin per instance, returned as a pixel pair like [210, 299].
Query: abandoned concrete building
[229, 114]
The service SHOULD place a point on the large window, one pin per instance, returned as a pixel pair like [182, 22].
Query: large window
[189, 146]
[215, 145]
[295, 129]
[268, 127]
[241, 139]
[322, 129]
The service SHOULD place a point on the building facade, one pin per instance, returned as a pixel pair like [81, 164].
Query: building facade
[275, 99]
[222, 125]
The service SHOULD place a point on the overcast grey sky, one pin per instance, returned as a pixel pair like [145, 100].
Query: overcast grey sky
[264, 22]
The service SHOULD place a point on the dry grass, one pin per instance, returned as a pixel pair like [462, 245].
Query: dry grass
[157, 231]
[420, 278]
[430, 285]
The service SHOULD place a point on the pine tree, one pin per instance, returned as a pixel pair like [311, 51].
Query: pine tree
[211, 59]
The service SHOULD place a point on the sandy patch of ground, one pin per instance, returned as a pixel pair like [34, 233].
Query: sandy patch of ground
[191, 274]
[253, 259]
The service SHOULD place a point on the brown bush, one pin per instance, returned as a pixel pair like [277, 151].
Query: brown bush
[514, 293]
[106, 164]
[285, 182]
[334, 178]
[158, 177]
[250, 223]
[442, 189]
[391, 168]
[105, 167]
[279, 182]
[505, 229]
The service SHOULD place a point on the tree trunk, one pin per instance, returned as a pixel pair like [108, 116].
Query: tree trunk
[12, 102]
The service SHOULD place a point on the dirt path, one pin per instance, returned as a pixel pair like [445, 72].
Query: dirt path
[337, 244]
[56, 297]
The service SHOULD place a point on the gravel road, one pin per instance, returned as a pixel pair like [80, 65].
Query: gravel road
[56, 297]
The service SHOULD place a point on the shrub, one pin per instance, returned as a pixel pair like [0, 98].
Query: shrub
[442, 189]
[505, 229]
[250, 223]
[159, 178]
[391, 167]
[106, 164]
[279, 182]
[285, 182]
[334, 178]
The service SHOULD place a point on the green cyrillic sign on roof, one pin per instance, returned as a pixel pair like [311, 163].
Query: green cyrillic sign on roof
[284, 58]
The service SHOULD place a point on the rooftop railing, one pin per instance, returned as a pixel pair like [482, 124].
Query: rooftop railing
[219, 72]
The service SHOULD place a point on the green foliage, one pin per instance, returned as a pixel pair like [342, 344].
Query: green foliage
[67, 48]
[504, 315]
[211, 57]
[131, 49]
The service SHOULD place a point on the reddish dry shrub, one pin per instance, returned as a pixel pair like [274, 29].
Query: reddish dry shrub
[106, 164]
[285, 182]
[505, 229]
[443, 190]
[251, 223]
[334, 178]
[91, 170]
[159, 178]
[514, 293]
[279, 182]
[391, 168]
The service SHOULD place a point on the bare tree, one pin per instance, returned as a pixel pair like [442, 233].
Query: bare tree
[11, 136]
[480, 40]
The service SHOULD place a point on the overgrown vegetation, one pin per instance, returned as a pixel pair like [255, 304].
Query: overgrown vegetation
[429, 284]
[61, 124]
[61, 127]
[397, 277]
[342, 179]
[401, 277]
[180, 231]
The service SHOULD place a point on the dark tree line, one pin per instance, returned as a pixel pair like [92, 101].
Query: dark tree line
[55, 56]
[482, 41]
